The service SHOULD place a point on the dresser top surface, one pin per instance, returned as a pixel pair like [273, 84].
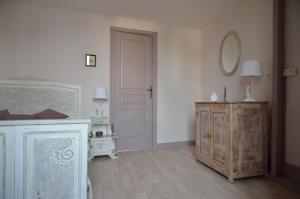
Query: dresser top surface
[241, 102]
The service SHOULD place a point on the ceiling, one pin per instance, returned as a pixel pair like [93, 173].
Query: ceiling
[194, 13]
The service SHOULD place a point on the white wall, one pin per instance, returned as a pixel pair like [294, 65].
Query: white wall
[50, 43]
[7, 46]
[253, 20]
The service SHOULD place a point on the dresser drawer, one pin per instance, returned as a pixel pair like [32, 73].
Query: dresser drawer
[100, 147]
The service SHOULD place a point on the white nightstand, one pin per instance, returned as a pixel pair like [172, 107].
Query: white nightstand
[105, 144]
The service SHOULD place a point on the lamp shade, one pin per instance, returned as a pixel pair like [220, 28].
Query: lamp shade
[252, 68]
[100, 93]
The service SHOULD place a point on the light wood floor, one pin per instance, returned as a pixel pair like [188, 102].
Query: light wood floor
[173, 174]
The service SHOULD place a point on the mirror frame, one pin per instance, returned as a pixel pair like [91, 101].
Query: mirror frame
[235, 34]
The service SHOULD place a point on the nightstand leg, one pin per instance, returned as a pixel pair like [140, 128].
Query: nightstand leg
[113, 156]
[230, 179]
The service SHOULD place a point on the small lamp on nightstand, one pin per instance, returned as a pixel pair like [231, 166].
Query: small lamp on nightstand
[251, 68]
[101, 95]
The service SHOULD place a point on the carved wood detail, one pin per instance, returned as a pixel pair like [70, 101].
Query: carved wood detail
[63, 153]
[54, 155]
[237, 136]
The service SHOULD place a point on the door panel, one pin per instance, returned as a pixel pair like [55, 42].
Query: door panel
[132, 70]
[48, 162]
[204, 124]
[133, 63]
[219, 136]
[292, 59]
[45, 158]
[6, 162]
[132, 122]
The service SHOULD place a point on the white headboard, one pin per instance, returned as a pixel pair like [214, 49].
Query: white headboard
[29, 97]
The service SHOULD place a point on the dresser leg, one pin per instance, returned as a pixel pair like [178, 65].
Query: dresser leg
[230, 179]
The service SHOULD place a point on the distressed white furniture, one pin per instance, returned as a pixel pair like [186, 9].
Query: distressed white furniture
[230, 137]
[7, 163]
[42, 158]
[29, 97]
[104, 145]
[99, 124]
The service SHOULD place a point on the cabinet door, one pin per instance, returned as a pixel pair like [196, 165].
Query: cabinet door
[220, 138]
[203, 140]
[52, 161]
[7, 162]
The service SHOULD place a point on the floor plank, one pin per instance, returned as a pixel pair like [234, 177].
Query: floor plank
[173, 174]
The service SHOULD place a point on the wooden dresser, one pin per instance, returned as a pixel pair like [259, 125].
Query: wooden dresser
[231, 137]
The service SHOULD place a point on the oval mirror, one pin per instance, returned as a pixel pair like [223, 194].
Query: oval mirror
[230, 53]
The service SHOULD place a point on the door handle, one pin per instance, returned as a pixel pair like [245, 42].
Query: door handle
[150, 90]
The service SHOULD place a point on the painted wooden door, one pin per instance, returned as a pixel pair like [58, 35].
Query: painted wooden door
[51, 162]
[132, 69]
[220, 135]
[292, 59]
[7, 162]
[204, 136]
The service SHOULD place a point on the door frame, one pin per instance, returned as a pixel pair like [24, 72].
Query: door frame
[278, 102]
[280, 171]
[154, 36]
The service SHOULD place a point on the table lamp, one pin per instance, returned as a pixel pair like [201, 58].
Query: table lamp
[251, 68]
[101, 95]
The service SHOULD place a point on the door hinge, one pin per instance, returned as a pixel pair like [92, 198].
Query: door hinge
[290, 72]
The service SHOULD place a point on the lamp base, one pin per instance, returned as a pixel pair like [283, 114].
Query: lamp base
[249, 100]
[248, 94]
[99, 112]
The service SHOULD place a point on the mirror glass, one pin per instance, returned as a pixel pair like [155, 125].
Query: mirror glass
[230, 53]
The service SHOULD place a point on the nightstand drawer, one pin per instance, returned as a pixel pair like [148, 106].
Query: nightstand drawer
[100, 147]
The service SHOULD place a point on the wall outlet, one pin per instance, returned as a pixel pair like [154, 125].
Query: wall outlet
[289, 72]
[269, 75]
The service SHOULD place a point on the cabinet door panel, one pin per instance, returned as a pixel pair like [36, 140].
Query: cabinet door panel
[53, 161]
[220, 138]
[6, 162]
[219, 134]
[203, 131]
